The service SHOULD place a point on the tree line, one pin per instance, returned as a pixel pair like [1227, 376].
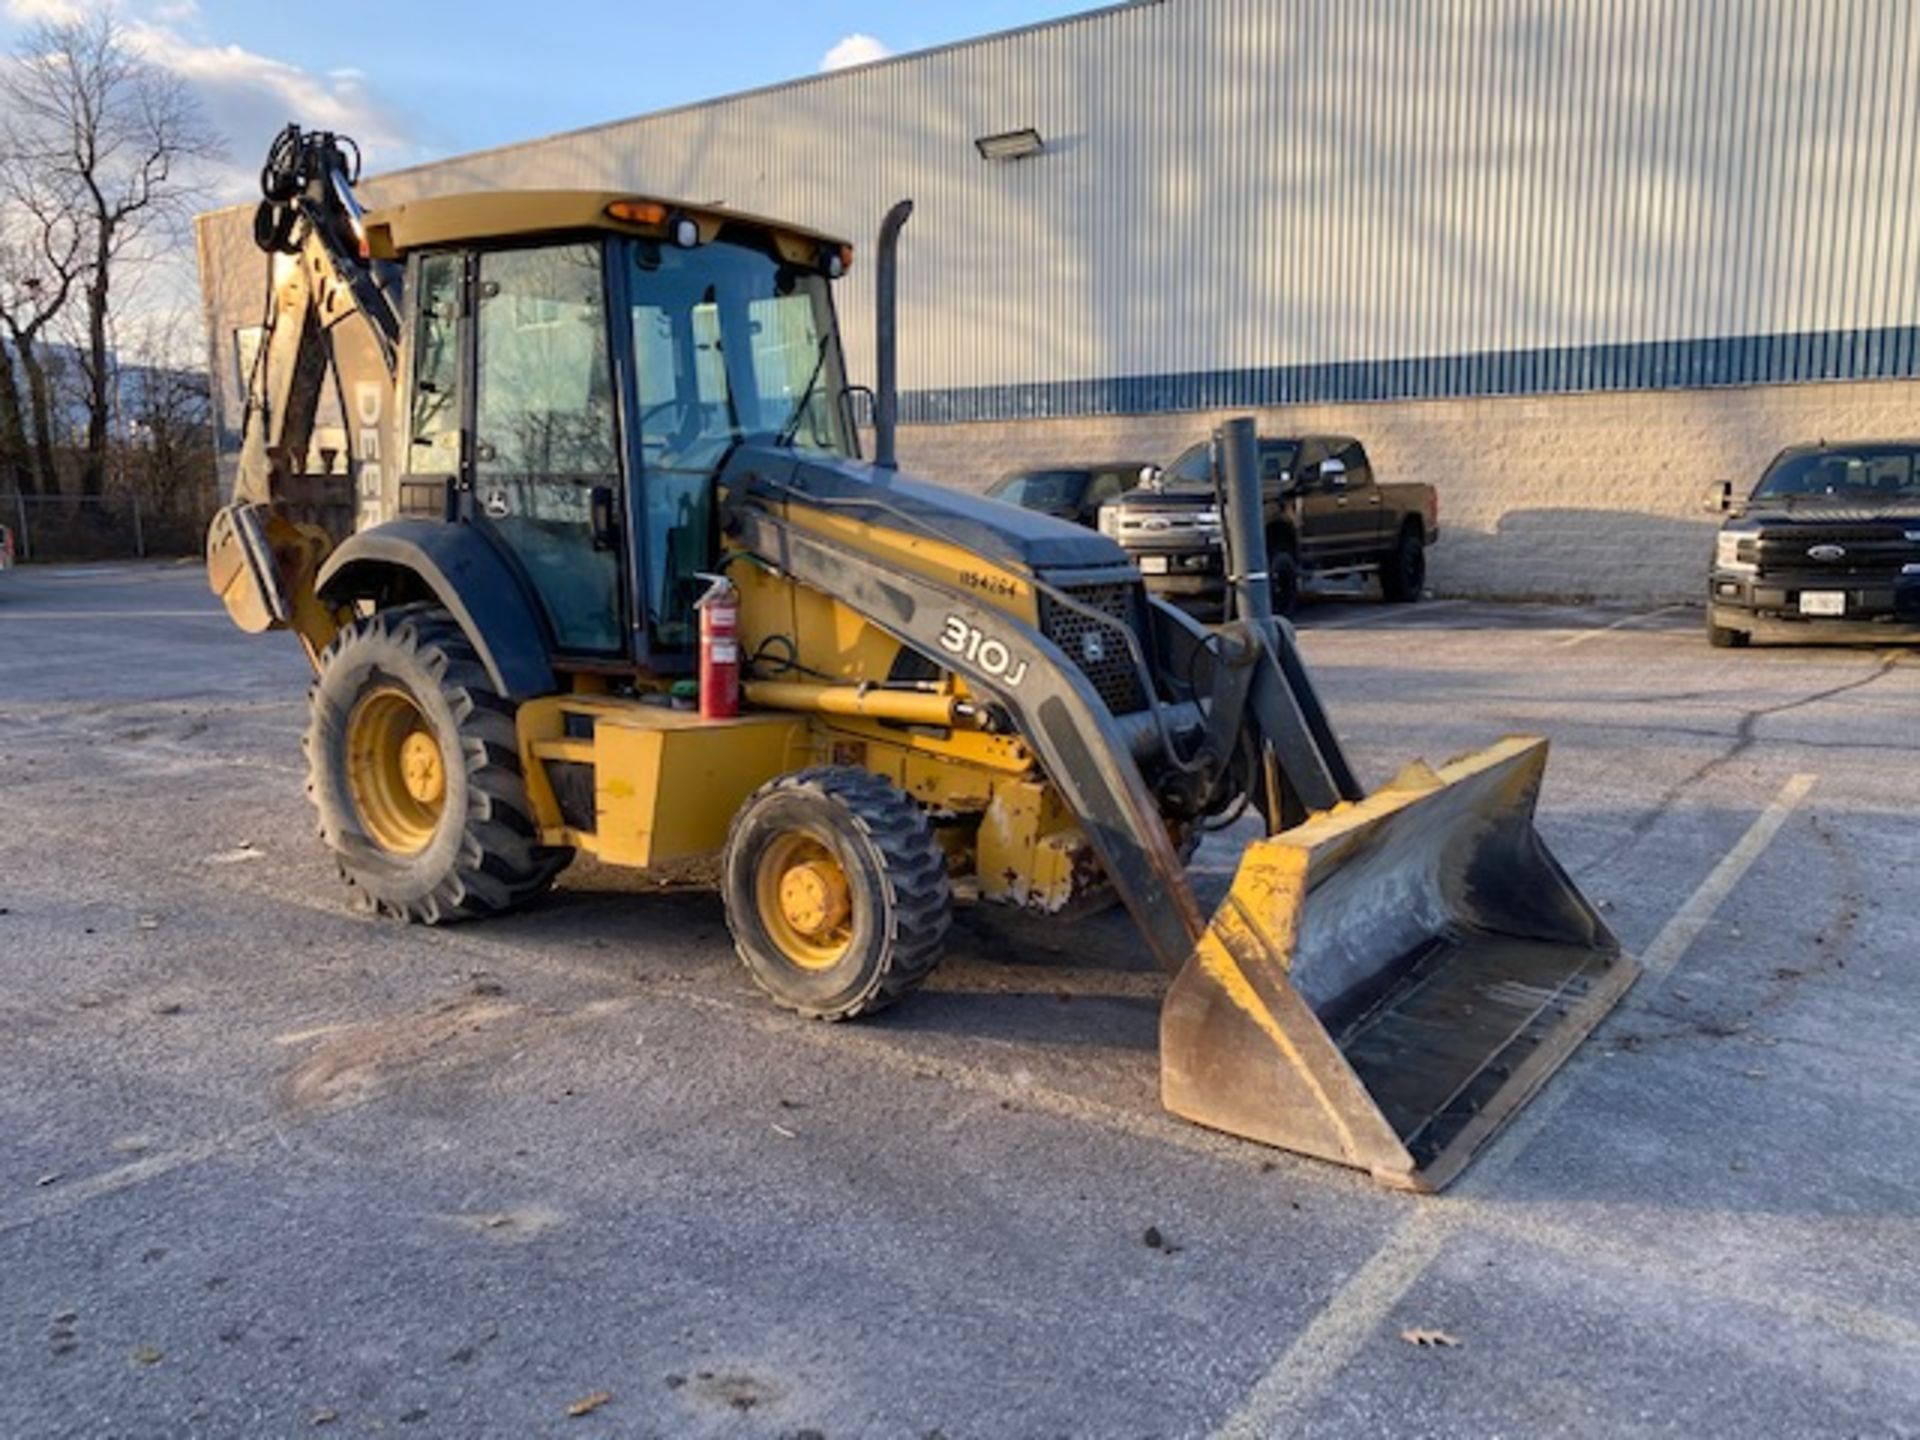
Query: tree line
[101, 154]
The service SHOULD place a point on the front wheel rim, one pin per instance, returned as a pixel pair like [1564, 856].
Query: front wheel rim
[395, 771]
[804, 897]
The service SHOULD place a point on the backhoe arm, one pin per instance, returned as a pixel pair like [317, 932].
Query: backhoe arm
[330, 310]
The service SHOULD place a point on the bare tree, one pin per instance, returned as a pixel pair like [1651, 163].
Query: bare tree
[168, 417]
[92, 119]
[42, 259]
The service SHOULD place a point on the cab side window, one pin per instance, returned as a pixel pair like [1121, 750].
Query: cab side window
[434, 418]
[1312, 452]
[1194, 467]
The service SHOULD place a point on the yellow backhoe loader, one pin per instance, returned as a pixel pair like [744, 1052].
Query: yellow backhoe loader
[561, 414]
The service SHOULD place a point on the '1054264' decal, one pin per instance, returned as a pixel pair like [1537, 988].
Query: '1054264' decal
[976, 647]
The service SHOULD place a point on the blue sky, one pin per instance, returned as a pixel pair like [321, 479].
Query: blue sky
[414, 80]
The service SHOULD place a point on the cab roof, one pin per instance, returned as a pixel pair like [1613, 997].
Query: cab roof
[393, 230]
[1829, 447]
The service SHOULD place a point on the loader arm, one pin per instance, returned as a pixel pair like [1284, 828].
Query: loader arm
[1385, 983]
[1054, 705]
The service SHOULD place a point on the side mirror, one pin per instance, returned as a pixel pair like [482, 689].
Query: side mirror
[849, 395]
[1719, 499]
[1333, 472]
[1150, 476]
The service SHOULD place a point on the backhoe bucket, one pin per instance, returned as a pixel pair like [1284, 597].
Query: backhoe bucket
[1387, 983]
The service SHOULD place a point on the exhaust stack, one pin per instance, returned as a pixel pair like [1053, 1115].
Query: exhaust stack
[886, 395]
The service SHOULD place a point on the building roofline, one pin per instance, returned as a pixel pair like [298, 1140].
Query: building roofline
[824, 77]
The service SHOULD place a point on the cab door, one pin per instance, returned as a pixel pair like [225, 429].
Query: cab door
[546, 457]
[1342, 505]
[1319, 505]
[1357, 504]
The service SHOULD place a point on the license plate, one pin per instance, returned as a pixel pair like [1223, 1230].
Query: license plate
[1823, 602]
[1153, 564]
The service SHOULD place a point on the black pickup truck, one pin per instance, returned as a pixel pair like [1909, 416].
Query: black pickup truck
[1325, 513]
[1827, 547]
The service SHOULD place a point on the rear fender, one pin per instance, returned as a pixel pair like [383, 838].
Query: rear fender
[455, 566]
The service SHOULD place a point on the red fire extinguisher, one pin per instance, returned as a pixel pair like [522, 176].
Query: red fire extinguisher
[719, 649]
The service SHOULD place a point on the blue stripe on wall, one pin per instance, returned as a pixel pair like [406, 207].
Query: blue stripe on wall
[1885, 354]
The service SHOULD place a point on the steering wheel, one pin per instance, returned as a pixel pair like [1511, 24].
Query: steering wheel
[672, 402]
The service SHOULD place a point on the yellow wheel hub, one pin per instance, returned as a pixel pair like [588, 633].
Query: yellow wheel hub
[395, 771]
[805, 901]
[420, 768]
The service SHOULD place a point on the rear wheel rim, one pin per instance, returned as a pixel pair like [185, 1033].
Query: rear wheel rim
[395, 771]
[805, 901]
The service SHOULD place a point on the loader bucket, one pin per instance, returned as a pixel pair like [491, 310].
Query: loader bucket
[1387, 983]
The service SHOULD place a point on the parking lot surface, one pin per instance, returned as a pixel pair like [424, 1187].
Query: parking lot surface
[267, 1165]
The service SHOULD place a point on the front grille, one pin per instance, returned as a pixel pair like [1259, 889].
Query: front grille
[1870, 552]
[1164, 525]
[1097, 647]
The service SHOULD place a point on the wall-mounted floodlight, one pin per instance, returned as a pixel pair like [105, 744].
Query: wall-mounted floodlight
[1010, 144]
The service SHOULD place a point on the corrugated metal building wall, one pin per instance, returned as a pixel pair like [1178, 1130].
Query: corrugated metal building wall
[1270, 203]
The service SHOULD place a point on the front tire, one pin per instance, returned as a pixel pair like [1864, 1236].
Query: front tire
[1283, 568]
[1403, 574]
[414, 767]
[836, 892]
[1720, 637]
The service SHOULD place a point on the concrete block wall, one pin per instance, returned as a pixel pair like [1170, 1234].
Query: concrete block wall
[1595, 495]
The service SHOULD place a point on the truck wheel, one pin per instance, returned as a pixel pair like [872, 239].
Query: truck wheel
[1722, 638]
[836, 892]
[414, 767]
[1403, 573]
[1284, 571]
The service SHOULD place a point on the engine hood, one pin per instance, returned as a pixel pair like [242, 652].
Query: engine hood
[1146, 498]
[1773, 514]
[992, 529]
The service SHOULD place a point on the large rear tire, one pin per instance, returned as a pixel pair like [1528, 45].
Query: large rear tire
[1403, 571]
[414, 767]
[836, 892]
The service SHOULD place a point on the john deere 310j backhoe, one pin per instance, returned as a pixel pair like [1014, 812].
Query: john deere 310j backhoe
[564, 412]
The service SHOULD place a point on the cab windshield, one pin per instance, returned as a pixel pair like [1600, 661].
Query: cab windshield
[730, 344]
[1043, 489]
[1865, 473]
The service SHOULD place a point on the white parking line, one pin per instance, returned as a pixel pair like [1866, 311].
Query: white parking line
[113, 614]
[1679, 933]
[1281, 1398]
[1384, 612]
[1585, 635]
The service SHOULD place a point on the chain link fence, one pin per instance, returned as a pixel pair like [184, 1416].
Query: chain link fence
[100, 527]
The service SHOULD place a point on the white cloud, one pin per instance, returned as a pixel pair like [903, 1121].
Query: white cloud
[247, 96]
[52, 12]
[854, 49]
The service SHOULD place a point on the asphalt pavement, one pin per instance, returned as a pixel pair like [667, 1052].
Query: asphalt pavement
[269, 1167]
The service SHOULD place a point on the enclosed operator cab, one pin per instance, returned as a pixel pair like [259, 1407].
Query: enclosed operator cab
[577, 396]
